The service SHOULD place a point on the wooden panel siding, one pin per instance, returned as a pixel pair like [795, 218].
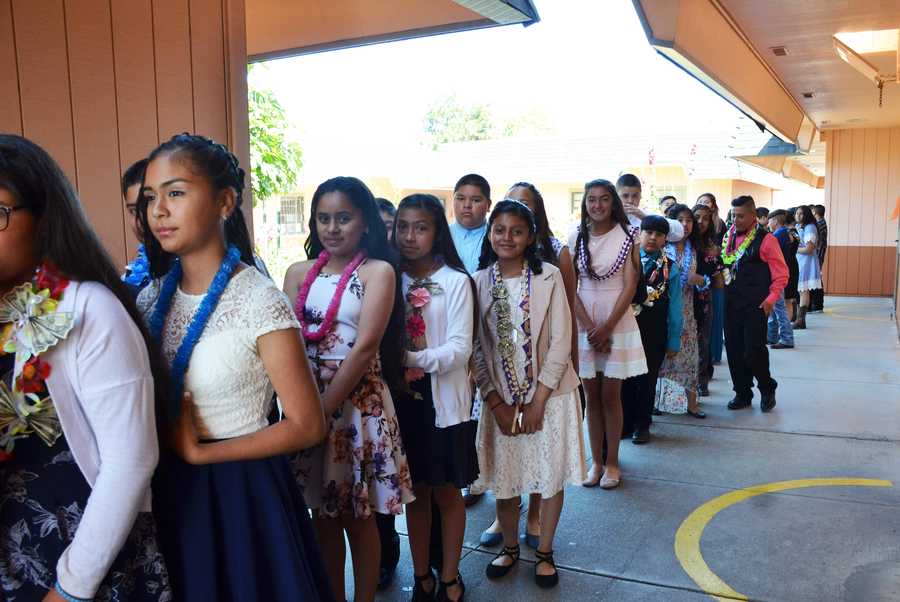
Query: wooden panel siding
[99, 83]
[874, 279]
[10, 109]
[861, 186]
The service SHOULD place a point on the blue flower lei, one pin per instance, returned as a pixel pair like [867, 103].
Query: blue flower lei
[687, 258]
[198, 324]
[137, 273]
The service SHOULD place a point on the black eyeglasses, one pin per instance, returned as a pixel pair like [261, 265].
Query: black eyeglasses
[4, 215]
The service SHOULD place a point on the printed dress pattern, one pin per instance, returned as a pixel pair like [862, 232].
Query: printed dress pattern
[42, 500]
[361, 467]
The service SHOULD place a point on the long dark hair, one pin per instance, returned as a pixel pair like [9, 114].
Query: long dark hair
[544, 235]
[488, 256]
[217, 163]
[673, 213]
[375, 244]
[64, 236]
[707, 240]
[582, 253]
[443, 240]
[808, 217]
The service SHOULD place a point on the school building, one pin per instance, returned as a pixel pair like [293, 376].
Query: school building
[98, 82]
[684, 165]
[814, 74]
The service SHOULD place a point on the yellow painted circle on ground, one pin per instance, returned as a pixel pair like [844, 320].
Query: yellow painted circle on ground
[687, 539]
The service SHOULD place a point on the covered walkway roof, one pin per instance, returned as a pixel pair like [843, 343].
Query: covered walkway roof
[281, 28]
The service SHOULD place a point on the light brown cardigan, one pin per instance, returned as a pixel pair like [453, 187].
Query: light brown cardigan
[550, 318]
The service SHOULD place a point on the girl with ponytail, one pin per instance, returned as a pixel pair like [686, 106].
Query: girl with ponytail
[224, 490]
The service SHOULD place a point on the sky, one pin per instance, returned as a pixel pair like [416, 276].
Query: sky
[586, 68]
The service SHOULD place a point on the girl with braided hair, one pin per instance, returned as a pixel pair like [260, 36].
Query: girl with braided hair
[610, 349]
[224, 492]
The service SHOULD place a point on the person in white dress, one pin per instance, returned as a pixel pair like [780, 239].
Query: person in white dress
[529, 435]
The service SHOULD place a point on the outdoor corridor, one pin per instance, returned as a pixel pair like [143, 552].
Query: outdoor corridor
[837, 418]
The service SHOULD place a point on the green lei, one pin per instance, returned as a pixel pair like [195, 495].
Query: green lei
[729, 258]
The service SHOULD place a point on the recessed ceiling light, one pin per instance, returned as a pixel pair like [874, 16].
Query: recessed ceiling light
[779, 50]
[807, 95]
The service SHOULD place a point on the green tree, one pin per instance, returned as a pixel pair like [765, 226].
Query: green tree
[275, 160]
[450, 121]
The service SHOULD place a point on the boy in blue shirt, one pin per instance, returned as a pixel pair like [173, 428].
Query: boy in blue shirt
[780, 331]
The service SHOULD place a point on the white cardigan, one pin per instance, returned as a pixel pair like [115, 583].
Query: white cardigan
[449, 321]
[102, 389]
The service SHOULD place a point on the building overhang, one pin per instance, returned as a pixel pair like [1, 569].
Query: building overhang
[700, 37]
[283, 28]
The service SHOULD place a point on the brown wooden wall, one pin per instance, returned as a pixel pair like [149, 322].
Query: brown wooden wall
[862, 184]
[99, 83]
[865, 271]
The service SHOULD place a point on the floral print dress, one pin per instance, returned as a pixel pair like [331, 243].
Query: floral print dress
[42, 500]
[679, 375]
[361, 466]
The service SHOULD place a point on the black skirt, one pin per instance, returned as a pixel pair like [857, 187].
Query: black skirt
[436, 456]
[237, 531]
[43, 498]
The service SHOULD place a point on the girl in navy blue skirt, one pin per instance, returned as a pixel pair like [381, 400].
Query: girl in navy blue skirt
[232, 520]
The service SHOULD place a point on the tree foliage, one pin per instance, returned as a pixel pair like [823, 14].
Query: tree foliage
[274, 159]
[450, 121]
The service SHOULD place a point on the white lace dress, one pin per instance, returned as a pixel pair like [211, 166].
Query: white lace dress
[231, 389]
[543, 462]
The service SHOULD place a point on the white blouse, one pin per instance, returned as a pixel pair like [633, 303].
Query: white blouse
[449, 319]
[226, 376]
[102, 390]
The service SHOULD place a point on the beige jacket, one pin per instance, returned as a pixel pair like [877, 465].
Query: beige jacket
[550, 318]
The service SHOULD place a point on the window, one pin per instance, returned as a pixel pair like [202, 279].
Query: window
[575, 198]
[291, 215]
[658, 192]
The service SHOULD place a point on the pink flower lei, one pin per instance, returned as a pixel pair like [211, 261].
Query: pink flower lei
[325, 327]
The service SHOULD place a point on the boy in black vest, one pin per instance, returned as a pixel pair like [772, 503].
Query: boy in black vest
[660, 322]
[755, 277]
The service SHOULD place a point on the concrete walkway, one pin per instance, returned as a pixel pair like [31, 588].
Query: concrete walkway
[837, 416]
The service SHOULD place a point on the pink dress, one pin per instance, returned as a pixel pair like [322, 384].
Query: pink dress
[626, 358]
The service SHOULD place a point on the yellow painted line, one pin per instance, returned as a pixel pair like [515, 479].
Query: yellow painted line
[687, 539]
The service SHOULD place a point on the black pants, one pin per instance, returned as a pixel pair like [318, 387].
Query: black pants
[639, 392]
[817, 299]
[745, 343]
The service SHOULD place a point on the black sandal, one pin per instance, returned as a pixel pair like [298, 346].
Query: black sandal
[545, 581]
[419, 594]
[445, 585]
[495, 571]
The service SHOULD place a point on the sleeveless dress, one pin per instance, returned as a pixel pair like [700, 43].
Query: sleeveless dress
[42, 500]
[543, 462]
[361, 466]
[679, 374]
[233, 531]
[626, 358]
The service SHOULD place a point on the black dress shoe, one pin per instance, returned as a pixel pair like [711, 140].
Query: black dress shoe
[641, 436]
[782, 346]
[470, 499]
[700, 414]
[385, 578]
[768, 401]
[739, 404]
